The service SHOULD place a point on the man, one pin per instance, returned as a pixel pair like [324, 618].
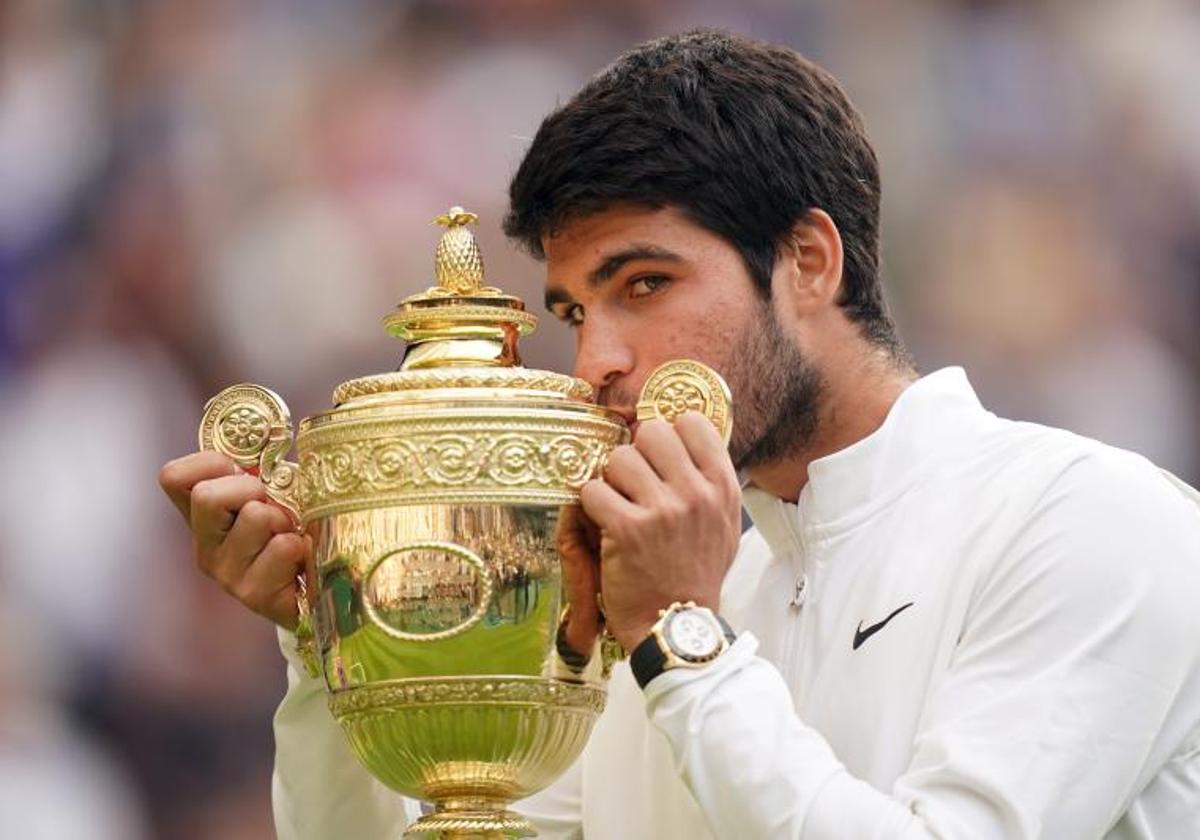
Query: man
[947, 624]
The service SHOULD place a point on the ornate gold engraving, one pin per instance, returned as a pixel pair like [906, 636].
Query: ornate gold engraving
[238, 420]
[412, 460]
[436, 379]
[252, 425]
[432, 497]
[682, 385]
[458, 263]
[438, 691]
[464, 824]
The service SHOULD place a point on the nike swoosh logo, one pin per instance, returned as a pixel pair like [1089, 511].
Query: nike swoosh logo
[861, 635]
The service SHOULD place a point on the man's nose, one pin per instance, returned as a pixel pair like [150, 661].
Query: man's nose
[602, 357]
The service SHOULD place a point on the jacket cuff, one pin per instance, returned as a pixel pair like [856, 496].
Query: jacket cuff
[701, 680]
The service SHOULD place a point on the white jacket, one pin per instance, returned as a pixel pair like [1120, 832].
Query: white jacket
[967, 628]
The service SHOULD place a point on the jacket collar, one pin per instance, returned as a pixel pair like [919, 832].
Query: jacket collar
[929, 420]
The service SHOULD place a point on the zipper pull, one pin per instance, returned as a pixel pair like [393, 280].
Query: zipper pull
[800, 593]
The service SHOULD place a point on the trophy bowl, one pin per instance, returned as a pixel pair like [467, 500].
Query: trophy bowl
[434, 496]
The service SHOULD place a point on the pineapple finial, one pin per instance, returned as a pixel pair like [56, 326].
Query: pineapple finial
[458, 264]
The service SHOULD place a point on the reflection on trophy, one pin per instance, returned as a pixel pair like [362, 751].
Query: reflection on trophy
[432, 495]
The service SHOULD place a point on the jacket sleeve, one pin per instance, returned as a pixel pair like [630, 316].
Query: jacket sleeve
[1059, 706]
[319, 789]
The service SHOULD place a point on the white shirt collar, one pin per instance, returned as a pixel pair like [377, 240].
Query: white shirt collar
[930, 417]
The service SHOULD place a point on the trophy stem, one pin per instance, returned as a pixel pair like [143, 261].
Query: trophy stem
[470, 819]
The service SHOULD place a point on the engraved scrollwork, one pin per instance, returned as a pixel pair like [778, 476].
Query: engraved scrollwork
[571, 459]
[311, 486]
[514, 459]
[452, 459]
[438, 690]
[390, 462]
[505, 459]
[340, 471]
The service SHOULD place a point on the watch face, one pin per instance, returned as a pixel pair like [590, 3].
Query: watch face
[693, 635]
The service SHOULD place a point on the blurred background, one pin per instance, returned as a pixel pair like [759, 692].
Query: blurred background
[198, 192]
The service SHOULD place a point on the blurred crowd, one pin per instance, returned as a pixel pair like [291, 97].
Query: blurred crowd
[198, 192]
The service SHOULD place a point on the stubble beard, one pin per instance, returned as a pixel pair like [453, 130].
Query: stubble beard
[777, 394]
[776, 391]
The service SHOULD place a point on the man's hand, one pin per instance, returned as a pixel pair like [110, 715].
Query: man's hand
[578, 542]
[242, 539]
[669, 512]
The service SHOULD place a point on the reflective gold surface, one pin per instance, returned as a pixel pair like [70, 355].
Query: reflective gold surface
[453, 445]
[435, 625]
[432, 495]
[682, 385]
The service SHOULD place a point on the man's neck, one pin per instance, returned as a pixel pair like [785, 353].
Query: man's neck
[855, 402]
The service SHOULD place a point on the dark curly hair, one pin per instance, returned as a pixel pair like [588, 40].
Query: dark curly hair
[742, 136]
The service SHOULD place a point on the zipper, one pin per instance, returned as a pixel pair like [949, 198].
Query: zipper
[801, 601]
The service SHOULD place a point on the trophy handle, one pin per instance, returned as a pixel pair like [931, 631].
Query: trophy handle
[252, 425]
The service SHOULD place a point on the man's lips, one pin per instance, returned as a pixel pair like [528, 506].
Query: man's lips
[629, 416]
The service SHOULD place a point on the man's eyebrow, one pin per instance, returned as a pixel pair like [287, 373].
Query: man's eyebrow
[556, 296]
[613, 262]
[610, 266]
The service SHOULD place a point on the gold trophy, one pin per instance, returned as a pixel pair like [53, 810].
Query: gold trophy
[432, 495]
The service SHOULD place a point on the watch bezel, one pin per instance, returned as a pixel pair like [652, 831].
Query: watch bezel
[655, 654]
[703, 613]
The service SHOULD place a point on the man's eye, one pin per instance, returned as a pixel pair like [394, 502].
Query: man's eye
[573, 315]
[648, 285]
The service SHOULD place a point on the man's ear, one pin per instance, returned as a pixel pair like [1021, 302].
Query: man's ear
[808, 270]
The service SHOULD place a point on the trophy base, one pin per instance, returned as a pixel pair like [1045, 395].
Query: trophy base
[469, 744]
[470, 821]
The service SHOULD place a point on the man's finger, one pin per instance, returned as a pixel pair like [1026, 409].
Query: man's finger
[178, 477]
[663, 449]
[576, 535]
[268, 585]
[630, 475]
[604, 504]
[708, 452]
[216, 501]
[256, 523]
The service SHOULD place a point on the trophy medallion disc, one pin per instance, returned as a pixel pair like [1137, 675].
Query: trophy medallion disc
[684, 385]
[237, 422]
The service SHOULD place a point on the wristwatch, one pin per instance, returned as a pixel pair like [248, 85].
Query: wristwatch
[575, 661]
[685, 636]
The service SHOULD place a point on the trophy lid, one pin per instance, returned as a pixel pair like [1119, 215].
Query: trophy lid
[460, 332]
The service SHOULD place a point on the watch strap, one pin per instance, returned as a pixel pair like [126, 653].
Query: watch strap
[648, 659]
[573, 659]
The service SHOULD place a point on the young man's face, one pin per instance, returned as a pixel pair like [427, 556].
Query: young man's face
[645, 286]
